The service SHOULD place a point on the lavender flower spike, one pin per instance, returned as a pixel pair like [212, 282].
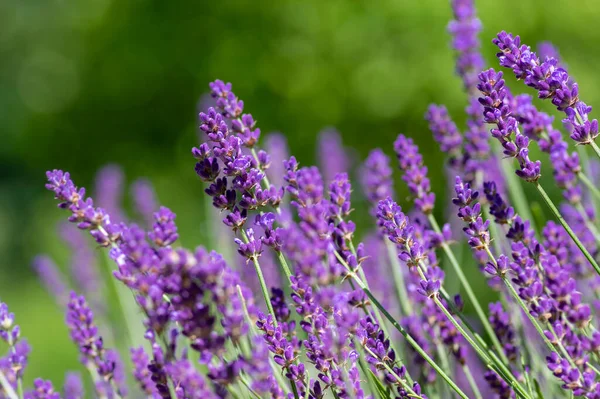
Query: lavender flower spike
[415, 173]
[84, 334]
[464, 30]
[444, 129]
[52, 278]
[551, 81]
[496, 110]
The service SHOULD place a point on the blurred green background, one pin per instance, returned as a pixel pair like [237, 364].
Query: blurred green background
[83, 84]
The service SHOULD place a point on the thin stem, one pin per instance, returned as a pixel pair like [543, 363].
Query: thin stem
[128, 307]
[520, 302]
[393, 373]
[595, 147]
[509, 378]
[470, 294]
[399, 283]
[514, 185]
[261, 280]
[404, 333]
[284, 265]
[380, 320]
[589, 185]
[255, 332]
[588, 222]
[295, 389]
[249, 388]
[7, 387]
[565, 225]
[265, 179]
[471, 381]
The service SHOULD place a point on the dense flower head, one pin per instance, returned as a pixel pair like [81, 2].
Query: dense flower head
[396, 226]
[52, 278]
[331, 154]
[83, 212]
[504, 329]
[164, 230]
[108, 191]
[144, 198]
[497, 111]
[470, 212]
[84, 334]
[551, 81]
[443, 128]
[464, 30]
[538, 126]
[73, 386]
[376, 176]
[42, 389]
[415, 173]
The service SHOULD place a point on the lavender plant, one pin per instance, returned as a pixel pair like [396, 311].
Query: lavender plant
[308, 311]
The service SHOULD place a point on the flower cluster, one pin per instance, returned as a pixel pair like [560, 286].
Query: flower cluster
[341, 318]
[551, 82]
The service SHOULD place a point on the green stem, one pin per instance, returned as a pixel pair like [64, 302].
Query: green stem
[405, 334]
[399, 283]
[470, 294]
[126, 301]
[254, 332]
[509, 378]
[396, 376]
[591, 188]
[261, 280]
[514, 185]
[7, 387]
[380, 320]
[595, 147]
[471, 381]
[588, 223]
[284, 265]
[295, 389]
[562, 221]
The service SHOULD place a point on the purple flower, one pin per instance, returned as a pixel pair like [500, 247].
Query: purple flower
[464, 30]
[415, 173]
[84, 334]
[551, 81]
[498, 112]
[42, 389]
[331, 154]
[83, 266]
[82, 210]
[429, 288]
[252, 249]
[142, 373]
[397, 228]
[189, 384]
[277, 148]
[547, 50]
[14, 363]
[283, 351]
[164, 230]
[109, 191]
[52, 278]
[73, 386]
[144, 198]
[443, 128]
[501, 323]
[376, 177]
[9, 331]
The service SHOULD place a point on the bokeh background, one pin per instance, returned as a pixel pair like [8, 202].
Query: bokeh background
[84, 84]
